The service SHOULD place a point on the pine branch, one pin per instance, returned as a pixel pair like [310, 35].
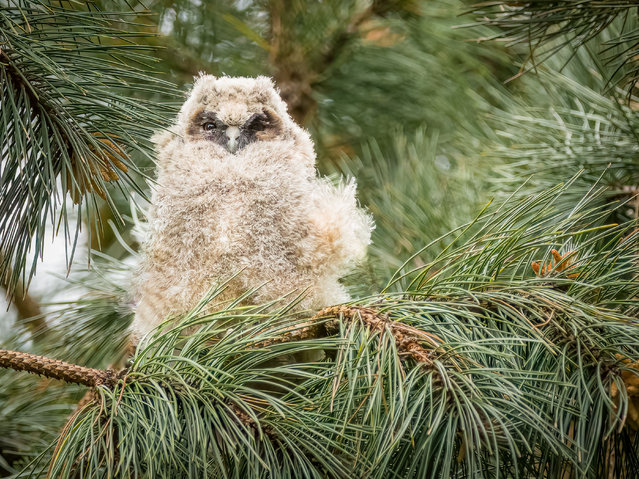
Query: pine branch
[476, 361]
[69, 121]
[557, 24]
[295, 69]
[408, 340]
[29, 311]
[342, 38]
[56, 369]
[574, 128]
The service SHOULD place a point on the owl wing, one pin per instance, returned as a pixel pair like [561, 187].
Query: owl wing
[339, 231]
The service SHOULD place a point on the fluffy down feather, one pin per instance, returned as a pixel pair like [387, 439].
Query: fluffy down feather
[262, 210]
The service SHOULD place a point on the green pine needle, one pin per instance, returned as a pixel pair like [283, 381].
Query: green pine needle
[68, 122]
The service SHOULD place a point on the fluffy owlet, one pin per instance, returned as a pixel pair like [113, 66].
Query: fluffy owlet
[237, 191]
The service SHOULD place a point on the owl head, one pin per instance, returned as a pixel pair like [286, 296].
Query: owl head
[234, 112]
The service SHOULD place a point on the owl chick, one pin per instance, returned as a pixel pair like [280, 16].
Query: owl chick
[237, 191]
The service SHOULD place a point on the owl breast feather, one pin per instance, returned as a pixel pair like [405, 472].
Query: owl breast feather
[255, 215]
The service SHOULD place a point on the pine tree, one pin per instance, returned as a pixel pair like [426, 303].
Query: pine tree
[496, 327]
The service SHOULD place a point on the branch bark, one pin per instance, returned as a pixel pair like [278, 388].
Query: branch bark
[29, 312]
[56, 369]
[296, 70]
[409, 342]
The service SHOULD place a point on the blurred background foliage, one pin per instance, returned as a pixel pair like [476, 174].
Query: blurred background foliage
[400, 94]
[376, 83]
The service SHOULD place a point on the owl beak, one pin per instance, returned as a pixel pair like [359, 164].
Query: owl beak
[232, 136]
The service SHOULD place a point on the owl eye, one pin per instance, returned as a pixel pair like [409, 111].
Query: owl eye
[258, 122]
[209, 126]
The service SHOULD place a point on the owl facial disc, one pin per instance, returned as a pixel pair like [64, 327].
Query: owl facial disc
[262, 126]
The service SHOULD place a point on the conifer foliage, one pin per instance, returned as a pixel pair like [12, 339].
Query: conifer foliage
[68, 122]
[488, 338]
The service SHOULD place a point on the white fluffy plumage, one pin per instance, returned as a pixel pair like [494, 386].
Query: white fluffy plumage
[261, 209]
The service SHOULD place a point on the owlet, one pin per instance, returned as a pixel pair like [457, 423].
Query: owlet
[238, 196]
